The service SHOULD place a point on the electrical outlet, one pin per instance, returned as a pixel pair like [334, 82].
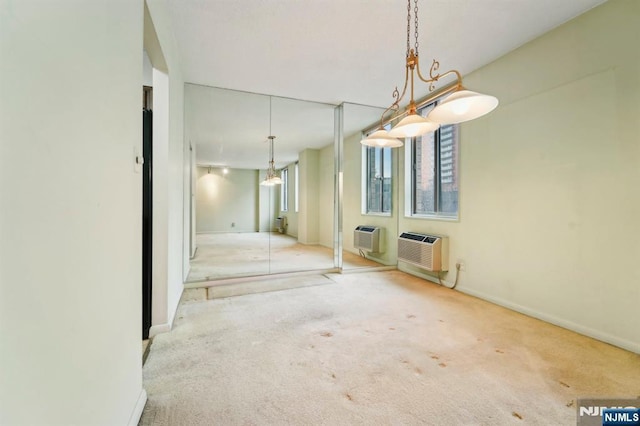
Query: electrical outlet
[461, 266]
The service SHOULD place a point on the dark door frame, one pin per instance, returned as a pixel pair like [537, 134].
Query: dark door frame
[147, 210]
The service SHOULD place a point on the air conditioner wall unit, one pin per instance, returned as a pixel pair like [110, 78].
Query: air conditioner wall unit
[430, 252]
[367, 238]
[281, 224]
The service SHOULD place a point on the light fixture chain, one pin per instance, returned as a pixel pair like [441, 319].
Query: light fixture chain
[270, 133]
[408, 26]
[415, 13]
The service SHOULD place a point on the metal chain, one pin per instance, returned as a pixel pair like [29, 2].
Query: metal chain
[270, 97]
[415, 12]
[408, 26]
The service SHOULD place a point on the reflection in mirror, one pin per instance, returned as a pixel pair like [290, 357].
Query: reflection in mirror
[370, 188]
[244, 228]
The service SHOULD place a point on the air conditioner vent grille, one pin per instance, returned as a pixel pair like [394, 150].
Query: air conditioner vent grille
[367, 238]
[426, 251]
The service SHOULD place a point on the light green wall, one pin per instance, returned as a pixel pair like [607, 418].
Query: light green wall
[227, 203]
[309, 202]
[548, 197]
[316, 168]
[326, 184]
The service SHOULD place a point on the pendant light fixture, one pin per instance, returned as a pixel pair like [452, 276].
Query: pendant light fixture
[271, 178]
[461, 105]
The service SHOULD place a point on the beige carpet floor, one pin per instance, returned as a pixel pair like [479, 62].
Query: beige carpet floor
[229, 255]
[373, 349]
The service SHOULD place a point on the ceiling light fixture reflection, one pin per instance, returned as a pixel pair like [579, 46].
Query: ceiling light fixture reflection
[271, 178]
[461, 105]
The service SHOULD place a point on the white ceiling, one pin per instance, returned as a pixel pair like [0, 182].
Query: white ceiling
[328, 51]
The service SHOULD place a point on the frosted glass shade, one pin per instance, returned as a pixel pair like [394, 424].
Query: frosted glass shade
[275, 180]
[382, 139]
[271, 179]
[413, 125]
[463, 105]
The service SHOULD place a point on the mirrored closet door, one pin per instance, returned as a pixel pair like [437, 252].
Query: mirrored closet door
[264, 183]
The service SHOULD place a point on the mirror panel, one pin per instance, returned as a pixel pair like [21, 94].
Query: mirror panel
[356, 119]
[237, 228]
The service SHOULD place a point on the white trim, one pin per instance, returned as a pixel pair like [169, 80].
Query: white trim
[138, 409]
[368, 269]
[389, 214]
[408, 179]
[409, 190]
[363, 179]
[569, 325]
[402, 266]
[251, 278]
[159, 329]
[172, 313]
[442, 218]
[385, 264]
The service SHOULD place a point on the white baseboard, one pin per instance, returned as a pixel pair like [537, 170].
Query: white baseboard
[159, 329]
[166, 327]
[434, 279]
[137, 411]
[561, 322]
[363, 269]
[251, 278]
[172, 312]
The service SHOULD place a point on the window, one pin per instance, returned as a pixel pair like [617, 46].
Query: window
[296, 185]
[434, 172]
[377, 179]
[284, 190]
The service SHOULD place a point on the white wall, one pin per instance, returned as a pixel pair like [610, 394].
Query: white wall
[548, 198]
[70, 222]
[160, 220]
[227, 203]
[169, 181]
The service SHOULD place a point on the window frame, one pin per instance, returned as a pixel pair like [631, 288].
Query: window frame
[410, 176]
[284, 190]
[366, 150]
[296, 183]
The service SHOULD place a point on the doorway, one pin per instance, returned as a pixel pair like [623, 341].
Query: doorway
[147, 208]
